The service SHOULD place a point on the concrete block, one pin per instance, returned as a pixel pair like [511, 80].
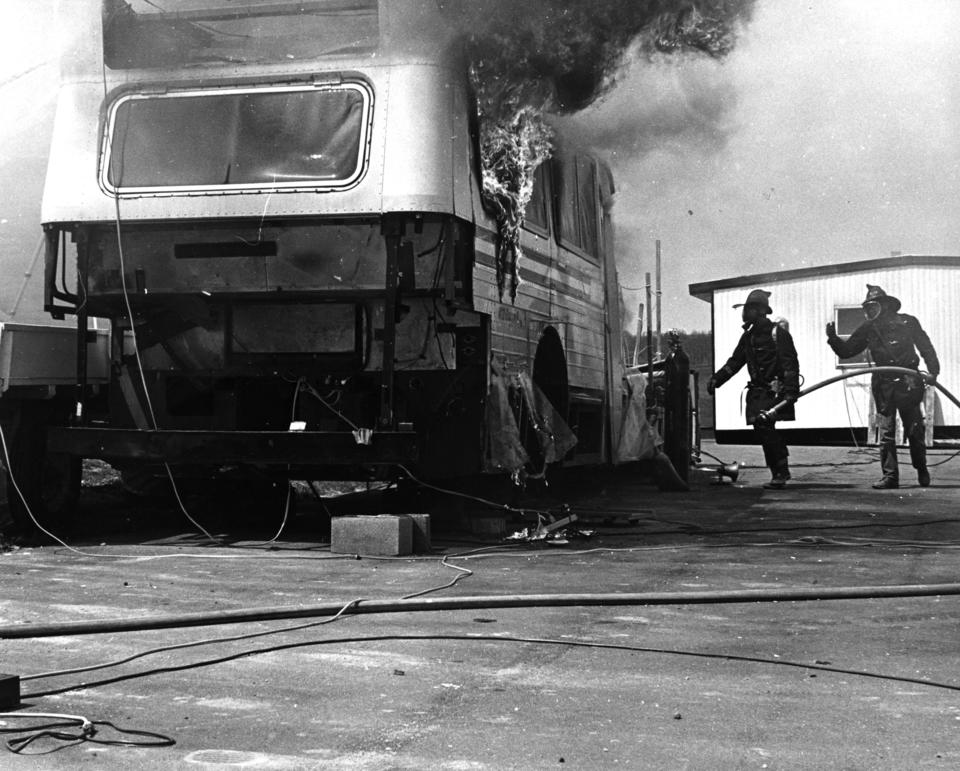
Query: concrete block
[380, 535]
[421, 533]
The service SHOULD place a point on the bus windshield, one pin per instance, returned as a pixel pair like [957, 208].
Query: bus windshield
[144, 34]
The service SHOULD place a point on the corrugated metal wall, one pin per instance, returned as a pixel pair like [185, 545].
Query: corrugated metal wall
[931, 293]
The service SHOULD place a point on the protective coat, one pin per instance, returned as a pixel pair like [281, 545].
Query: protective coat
[770, 356]
[894, 339]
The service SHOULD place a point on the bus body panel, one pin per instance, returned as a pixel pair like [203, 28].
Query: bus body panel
[422, 165]
[372, 304]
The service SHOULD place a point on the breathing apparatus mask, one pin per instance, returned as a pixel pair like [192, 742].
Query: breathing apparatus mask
[750, 313]
[872, 310]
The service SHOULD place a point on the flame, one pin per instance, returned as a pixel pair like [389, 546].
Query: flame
[514, 140]
[559, 56]
[512, 154]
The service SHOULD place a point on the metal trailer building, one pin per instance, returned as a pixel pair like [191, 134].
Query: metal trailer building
[842, 413]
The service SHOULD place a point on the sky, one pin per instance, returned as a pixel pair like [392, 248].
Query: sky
[831, 134]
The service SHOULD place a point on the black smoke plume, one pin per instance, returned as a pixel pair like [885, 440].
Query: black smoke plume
[532, 59]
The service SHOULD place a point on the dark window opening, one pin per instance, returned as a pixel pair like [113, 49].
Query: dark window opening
[848, 319]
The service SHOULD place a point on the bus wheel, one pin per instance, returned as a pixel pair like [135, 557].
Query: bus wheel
[48, 483]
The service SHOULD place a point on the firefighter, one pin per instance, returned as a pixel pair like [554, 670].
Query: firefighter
[893, 340]
[771, 358]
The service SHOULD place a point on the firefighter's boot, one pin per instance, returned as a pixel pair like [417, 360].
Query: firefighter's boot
[781, 474]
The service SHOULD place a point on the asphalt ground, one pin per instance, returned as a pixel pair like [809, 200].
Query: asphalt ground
[851, 684]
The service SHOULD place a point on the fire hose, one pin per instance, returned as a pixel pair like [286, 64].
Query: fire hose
[770, 414]
[17, 631]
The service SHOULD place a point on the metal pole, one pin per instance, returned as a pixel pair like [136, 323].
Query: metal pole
[659, 348]
[636, 342]
[649, 332]
[83, 327]
[393, 231]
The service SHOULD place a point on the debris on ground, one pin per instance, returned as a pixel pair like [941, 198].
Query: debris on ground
[552, 531]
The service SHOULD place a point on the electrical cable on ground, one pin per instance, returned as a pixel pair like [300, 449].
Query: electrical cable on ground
[855, 541]
[88, 732]
[686, 528]
[487, 552]
[832, 464]
[463, 573]
[500, 638]
[484, 501]
[182, 646]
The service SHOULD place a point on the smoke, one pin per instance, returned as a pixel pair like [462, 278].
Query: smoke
[658, 104]
[566, 53]
[538, 58]
[678, 111]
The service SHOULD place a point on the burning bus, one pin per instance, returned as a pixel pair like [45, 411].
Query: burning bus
[272, 224]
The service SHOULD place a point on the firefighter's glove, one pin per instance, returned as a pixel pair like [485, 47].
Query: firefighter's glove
[928, 377]
[711, 386]
[765, 419]
[831, 331]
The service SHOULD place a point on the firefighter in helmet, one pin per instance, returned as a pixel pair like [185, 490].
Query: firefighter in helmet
[767, 350]
[894, 340]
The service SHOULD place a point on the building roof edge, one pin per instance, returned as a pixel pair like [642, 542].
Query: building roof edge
[705, 289]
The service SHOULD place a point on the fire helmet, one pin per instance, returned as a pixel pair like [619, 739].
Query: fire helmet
[757, 297]
[876, 295]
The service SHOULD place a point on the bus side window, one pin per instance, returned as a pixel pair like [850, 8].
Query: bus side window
[587, 204]
[536, 212]
[564, 180]
[574, 190]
